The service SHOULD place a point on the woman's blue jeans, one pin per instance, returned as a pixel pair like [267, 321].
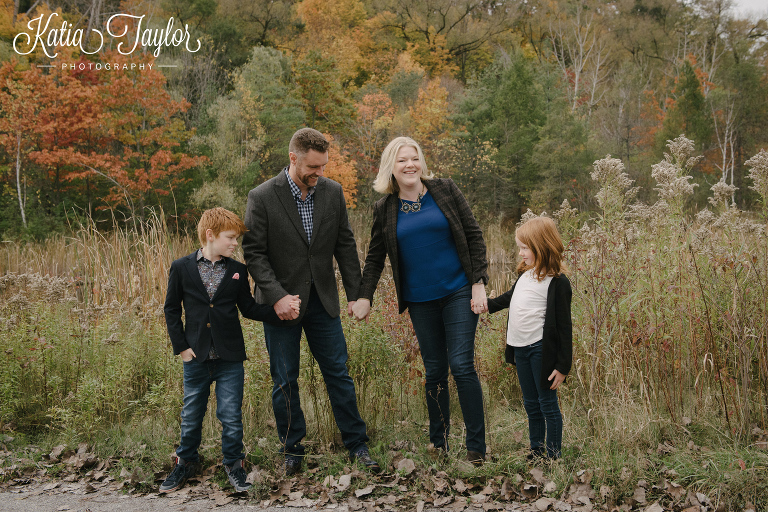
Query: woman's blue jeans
[445, 329]
[198, 377]
[544, 417]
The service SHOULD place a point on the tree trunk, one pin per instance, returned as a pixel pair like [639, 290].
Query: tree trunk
[18, 179]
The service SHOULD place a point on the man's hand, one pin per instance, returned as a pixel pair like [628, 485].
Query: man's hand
[479, 302]
[284, 309]
[296, 303]
[361, 309]
[187, 355]
[557, 378]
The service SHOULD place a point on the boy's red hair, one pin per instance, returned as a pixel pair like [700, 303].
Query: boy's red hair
[218, 220]
[542, 238]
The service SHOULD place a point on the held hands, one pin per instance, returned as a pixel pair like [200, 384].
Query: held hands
[557, 378]
[187, 355]
[479, 301]
[360, 309]
[287, 308]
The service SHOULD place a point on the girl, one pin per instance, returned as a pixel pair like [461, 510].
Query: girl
[539, 331]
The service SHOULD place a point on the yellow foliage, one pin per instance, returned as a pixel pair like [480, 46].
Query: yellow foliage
[336, 30]
[429, 115]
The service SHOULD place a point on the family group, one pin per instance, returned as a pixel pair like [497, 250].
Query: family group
[295, 226]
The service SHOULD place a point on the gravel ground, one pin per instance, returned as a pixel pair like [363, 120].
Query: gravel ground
[80, 497]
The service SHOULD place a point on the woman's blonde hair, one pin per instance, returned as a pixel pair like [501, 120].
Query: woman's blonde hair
[385, 183]
[542, 238]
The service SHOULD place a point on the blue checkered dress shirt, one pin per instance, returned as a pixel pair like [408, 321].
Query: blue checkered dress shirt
[306, 207]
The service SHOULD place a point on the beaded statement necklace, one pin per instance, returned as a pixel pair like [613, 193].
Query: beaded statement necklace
[408, 207]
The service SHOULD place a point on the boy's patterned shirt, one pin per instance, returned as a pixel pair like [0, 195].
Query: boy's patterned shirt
[212, 273]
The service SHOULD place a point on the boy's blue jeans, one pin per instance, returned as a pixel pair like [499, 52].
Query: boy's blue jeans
[198, 377]
[544, 417]
[445, 330]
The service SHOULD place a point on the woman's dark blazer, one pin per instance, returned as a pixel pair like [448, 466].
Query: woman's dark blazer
[466, 234]
[557, 343]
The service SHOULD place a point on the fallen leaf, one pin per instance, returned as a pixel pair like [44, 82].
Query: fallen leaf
[443, 501]
[530, 490]
[56, 452]
[492, 506]
[296, 495]
[543, 504]
[365, 491]
[655, 508]
[686, 420]
[518, 437]
[460, 486]
[478, 498]
[51, 486]
[420, 506]
[639, 496]
[742, 465]
[605, 491]
[537, 475]
[675, 490]
[220, 501]
[344, 482]
[406, 466]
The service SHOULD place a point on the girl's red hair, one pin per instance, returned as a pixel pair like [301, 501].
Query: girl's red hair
[542, 238]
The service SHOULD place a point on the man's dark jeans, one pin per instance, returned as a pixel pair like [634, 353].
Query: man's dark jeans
[445, 329]
[198, 377]
[325, 338]
[541, 405]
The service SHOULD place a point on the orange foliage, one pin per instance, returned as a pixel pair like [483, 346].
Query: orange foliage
[341, 169]
[121, 125]
[375, 114]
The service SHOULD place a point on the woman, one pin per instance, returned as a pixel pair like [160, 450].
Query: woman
[437, 253]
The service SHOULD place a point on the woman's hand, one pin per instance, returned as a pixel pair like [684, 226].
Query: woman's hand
[361, 309]
[479, 302]
[557, 378]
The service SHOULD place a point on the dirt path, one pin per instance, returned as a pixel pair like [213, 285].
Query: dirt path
[83, 497]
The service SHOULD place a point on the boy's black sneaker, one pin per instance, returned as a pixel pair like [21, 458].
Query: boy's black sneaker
[183, 471]
[237, 476]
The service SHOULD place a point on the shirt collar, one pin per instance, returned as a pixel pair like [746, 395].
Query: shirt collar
[295, 190]
[201, 257]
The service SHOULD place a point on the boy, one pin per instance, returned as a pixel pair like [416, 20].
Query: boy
[211, 287]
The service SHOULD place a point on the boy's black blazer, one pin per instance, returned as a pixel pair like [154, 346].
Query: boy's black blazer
[205, 317]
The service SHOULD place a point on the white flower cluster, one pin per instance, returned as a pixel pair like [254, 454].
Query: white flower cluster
[759, 174]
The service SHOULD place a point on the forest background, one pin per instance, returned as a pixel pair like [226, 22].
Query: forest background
[104, 172]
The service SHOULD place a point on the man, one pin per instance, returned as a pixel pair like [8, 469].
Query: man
[297, 223]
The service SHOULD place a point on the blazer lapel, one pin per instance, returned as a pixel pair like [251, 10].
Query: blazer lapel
[390, 232]
[226, 280]
[194, 273]
[320, 200]
[283, 192]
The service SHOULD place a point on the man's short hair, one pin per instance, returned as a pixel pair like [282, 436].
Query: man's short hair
[218, 220]
[308, 138]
